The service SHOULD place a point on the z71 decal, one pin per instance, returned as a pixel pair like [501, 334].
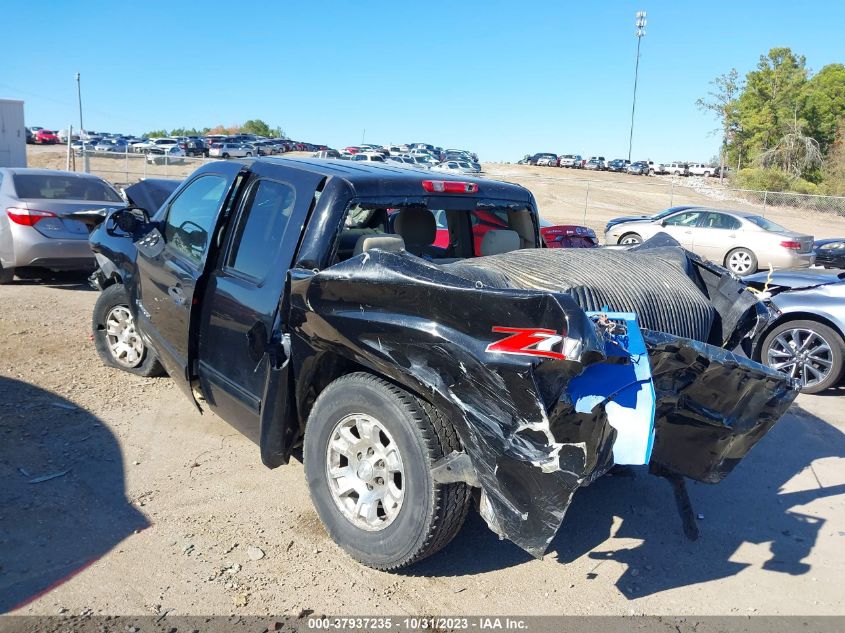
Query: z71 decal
[527, 341]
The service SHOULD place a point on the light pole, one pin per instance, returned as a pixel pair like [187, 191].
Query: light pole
[79, 95]
[640, 24]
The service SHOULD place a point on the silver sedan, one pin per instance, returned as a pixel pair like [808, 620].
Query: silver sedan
[742, 242]
[42, 225]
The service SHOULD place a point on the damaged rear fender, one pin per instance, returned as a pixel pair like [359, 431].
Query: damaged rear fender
[432, 333]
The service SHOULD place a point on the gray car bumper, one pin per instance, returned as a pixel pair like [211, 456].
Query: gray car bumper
[33, 249]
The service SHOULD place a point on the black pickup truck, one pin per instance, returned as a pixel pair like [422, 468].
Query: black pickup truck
[363, 319]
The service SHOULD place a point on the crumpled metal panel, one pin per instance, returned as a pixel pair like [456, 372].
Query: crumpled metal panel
[531, 447]
[712, 406]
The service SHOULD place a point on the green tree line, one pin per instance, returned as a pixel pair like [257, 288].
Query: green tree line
[252, 126]
[782, 126]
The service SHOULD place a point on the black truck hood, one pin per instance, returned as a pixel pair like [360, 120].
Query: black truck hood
[522, 418]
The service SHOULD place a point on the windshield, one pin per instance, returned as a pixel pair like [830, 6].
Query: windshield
[58, 187]
[766, 225]
[669, 211]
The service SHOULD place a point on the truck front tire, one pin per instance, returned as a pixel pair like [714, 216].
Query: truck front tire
[117, 341]
[368, 451]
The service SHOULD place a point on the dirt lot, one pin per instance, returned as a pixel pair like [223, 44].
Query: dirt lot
[157, 508]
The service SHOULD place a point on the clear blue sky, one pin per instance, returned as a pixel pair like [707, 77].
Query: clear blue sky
[500, 78]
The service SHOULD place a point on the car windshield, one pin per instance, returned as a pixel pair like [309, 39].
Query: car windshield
[766, 225]
[58, 187]
[669, 211]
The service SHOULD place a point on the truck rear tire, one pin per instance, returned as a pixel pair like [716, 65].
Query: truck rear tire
[368, 452]
[117, 341]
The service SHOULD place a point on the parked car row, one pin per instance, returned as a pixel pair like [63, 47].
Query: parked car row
[409, 156]
[192, 146]
[619, 165]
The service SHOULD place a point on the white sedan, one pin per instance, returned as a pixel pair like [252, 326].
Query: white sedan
[455, 167]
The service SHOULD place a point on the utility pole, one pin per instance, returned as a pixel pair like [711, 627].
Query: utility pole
[86, 165]
[640, 32]
[79, 96]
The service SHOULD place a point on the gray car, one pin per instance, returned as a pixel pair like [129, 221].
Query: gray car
[42, 225]
[808, 340]
[741, 242]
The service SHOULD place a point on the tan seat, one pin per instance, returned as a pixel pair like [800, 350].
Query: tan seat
[381, 241]
[417, 227]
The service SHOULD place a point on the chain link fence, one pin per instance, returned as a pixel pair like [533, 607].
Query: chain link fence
[123, 169]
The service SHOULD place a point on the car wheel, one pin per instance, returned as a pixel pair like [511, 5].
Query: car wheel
[249, 154]
[631, 238]
[225, 155]
[741, 262]
[6, 275]
[116, 338]
[707, 174]
[808, 351]
[651, 172]
[368, 453]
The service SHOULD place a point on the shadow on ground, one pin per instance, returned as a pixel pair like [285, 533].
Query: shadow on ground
[52, 529]
[69, 280]
[748, 507]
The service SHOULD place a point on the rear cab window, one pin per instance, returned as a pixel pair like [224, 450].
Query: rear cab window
[441, 229]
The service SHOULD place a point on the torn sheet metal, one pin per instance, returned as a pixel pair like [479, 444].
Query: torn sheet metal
[504, 365]
[712, 406]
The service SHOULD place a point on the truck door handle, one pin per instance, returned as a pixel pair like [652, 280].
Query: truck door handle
[177, 295]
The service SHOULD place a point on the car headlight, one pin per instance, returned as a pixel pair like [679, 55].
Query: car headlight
[832, 246]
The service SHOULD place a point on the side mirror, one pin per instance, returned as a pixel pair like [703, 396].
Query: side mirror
[663, 223]
[129, 221]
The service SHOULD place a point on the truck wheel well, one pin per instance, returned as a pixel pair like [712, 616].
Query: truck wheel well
[110, 281]
[794, 316]
[331, 367]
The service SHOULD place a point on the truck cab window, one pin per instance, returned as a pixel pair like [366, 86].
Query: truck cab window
[260, 228]
[191, 216]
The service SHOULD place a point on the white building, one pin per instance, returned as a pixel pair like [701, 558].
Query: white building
[12, 134]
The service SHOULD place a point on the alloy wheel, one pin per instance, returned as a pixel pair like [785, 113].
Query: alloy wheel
[740, 262]
[124, 342]
[802, 354]
[365, 472]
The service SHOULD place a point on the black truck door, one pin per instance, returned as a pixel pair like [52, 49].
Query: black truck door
[171, 264]
[243, 299]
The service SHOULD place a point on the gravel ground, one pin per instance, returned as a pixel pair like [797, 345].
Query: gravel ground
[154, 508]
